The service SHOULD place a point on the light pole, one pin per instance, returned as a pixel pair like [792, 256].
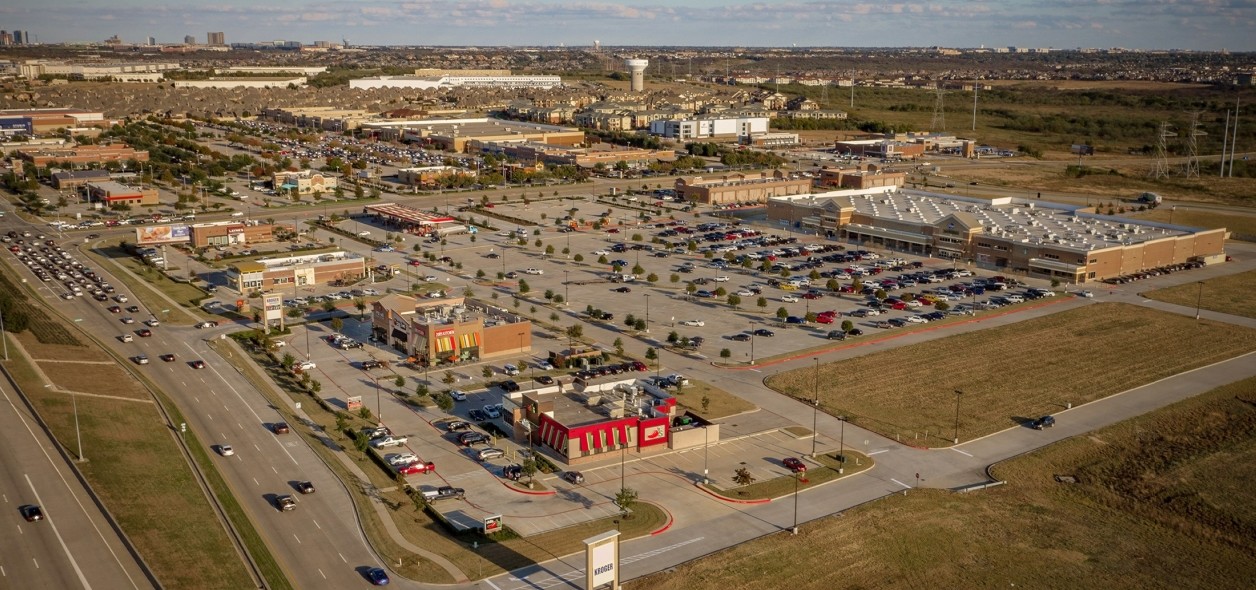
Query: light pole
[566, 290]
[1198, 300]
[752, 343]
[4, 338]
[841, 446]
[795, 529]
[77, 434]
[647, 313]
[815, 409]
[379, 408]
[1171, 210]
[958, 393]
[706, 454]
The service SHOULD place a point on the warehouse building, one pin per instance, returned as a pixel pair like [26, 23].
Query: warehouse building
[231, 233]
[1044, 240]
[115, 193]
[710, 128]
[740, 187]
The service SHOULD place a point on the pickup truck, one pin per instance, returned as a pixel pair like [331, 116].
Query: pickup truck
[286, 503]
[443, 493]
[388, 441]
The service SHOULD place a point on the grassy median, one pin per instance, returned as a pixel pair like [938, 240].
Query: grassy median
[1232, 294]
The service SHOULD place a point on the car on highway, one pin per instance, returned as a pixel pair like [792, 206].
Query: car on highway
[794, 464]
[31, 512]
[573, 477]
[225, 450]
[305, 487]
[285, 503]
[144, 333]
[127, 320]
[152, 322]
[1043, 422]
[697, 323]
[140, 359]
[198, 364]
[168, 357]
[133, 309]
[280, 428]
[126, 338]
[114, 309]
[377, 576]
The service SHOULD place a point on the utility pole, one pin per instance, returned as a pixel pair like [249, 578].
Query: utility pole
[1225, 138]
[974, 104]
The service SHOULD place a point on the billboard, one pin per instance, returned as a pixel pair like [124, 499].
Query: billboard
[162, 234]
[601, 554]
[1082, 150]
[492, 524]
[272, 308]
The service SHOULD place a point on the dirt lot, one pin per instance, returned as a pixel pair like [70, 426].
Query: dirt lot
[1161, 501]
[1011, 374]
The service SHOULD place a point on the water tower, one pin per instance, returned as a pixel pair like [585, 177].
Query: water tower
[637, 67]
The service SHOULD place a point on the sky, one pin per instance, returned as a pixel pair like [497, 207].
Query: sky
[1062, 24]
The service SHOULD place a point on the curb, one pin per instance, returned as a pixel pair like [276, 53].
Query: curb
[670, 521]
[730, 500]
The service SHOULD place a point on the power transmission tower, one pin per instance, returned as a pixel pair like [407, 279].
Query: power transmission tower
[939, 110]
[1192, 146]
[1161, 168]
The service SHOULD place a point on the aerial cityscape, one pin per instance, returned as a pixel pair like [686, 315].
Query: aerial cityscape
[705, 294]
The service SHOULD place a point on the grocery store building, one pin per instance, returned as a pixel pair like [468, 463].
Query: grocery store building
[270, 274]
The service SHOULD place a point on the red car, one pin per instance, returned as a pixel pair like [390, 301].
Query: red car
[115, 309]
[168, 357]
[416, 468]
[198, 364]
[145, 333]
[638, 366]
[794, 465]
[810, 295]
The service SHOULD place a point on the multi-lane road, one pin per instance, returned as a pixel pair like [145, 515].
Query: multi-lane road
[74, 546]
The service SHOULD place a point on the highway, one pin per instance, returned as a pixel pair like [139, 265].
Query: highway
[74, 546]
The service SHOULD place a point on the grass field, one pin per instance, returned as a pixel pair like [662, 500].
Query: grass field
[1235, 222]
[721, 404]
[1161, 501]
[419, 528]
[139, 474]
[1012, 374]
[1229, 294]
[98, 379]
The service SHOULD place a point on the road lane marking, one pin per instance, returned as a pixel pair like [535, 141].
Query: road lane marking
[294, 536]
[255, 482]
[36, 562]
[208, 415]
[320, 572]
[878, 452]
[272, 468]
[342, 557]
[900, 483]
[243, 402]
[961, 452]
[320, 527]
[198, 400]
[73, 562]
[490, 583]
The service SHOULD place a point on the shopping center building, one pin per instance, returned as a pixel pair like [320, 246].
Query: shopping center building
[1040, 239]
[448, 330]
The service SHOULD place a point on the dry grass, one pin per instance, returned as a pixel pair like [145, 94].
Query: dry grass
[39, 350]
[1162, 501]
[1014, 373]
[140, 475]
[1228, 294]
[95, 379]
[721, 404]
[1234, 221]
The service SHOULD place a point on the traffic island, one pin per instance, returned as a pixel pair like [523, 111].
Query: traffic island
[822, 469]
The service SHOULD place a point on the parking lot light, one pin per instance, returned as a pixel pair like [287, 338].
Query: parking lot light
[958, 393]
[815, 409]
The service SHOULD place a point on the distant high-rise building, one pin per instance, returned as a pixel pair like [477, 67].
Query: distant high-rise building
[20, 38]
[215, 39]
[6, 38]
[189, 40]
[152, 40]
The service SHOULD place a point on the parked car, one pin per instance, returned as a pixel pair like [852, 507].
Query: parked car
[764, 332]
[492, 411]
[416, 468]
[477, 415]
[696, 323]
[512, 472]
[742, 337]
[457, 395]
[468, 439]
[490, 453]
[444, 493]
[794, 464]
[573, 477]
[836, 335]
[456, 425]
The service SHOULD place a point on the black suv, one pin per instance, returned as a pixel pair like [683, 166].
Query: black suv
[472, 438]
[1043, 422]
[456, 425]
[509, 386]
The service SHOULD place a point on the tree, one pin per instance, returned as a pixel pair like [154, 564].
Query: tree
[674, 278]
[725, 353]
[399, 381]
[443, 401]
[762, 303]
[880, 294]
[782, 313]
[524, 287]
[706, 403]
[619, 346]
[448, 378]
[847, 325]
[626, 499]
[487, 371]
[742, 477]
[528, 468]
[652, 278]
[673, 337]
[639, 325]
[288, 361]
[941, 305]
[734, 300]
[651, 354]
[337, 324]
[721, 291]
[361, 305]
[421, 390]
[574, 332]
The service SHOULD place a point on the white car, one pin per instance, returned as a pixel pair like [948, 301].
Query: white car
[915, 319]
[721, 279]
[544, 365]
[402, 459]
[457, 395]
[533, 271]
[790, 299]
[745, 293]
[152, 322]
[388, 441]
[602, 253]
[127, 338]
[307, 365]
[1086, 294]
[510, 370]
[369, 291]
[225, 450]
[698, 323]
[492, 411]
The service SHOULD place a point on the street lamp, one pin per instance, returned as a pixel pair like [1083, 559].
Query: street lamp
[379, 408]
[566, 290]
[815, 409]
[1198, 300]
[706, 454]
[841, 446]
[752, 343]
[795, 529]
[958, 393]
[647, 313]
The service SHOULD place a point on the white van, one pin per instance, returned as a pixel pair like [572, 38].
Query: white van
[238, 214]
